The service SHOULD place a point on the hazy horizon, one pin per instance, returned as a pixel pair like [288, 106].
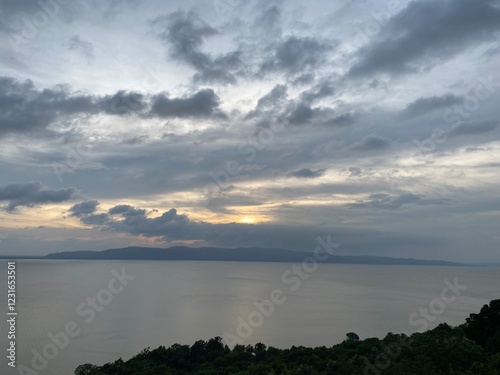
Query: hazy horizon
[217, 255]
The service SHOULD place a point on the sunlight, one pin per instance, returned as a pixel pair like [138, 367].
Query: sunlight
[247, 220]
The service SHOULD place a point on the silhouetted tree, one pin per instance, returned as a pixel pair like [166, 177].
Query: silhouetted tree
[351, 336]
[484, 328]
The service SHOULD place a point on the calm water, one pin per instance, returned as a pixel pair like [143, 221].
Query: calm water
[170, 302]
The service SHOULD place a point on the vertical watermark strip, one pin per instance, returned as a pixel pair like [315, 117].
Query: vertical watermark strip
[11, 313]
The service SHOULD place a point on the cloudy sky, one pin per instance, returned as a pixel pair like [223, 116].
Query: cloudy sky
[251, 123]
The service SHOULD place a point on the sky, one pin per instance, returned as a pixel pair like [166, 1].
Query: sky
[236, 123]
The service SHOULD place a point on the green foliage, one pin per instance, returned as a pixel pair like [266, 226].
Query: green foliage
[86, 369]
[484, 328]
[470, 349]
[351, 336]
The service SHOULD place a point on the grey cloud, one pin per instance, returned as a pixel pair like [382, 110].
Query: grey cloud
[388, 202]
[422, 106]
[169, 225]
[135, 221]
[185, 32]
[269, 21]
[426, 31]
[11, 12]
[296, 55]
[219, 69]
[26, 109]
[84, 208]
[218, 205]
[172, 226]
[371, 142]
[477, 149]
[10, 7]
[277, 95]
[219, 202]
[375, 83]
[303, 79]
[137, 140]
[33, 194]
[302, 114]
[355, 172]
[201, 104]
[126, 210]
[95, 219]
[358, 172]
[86, 212]
[344, 119]
[123, 103]
[492, 52]
[468, 128]
[114, 7]
[307, 173]
[319, 91]
[84, 47]
[270, 103]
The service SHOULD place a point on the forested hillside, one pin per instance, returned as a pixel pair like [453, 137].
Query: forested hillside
[472, 348]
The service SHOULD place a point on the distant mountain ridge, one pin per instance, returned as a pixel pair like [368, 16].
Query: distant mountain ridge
[236, 255]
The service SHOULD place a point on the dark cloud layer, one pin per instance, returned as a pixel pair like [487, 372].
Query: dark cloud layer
[344, 119]
[268, 21]
[390, 202]
[307, 173]
[296, 55]
[128, 219]
[126, 210]
[26, 109]
[84, 208]
[276, 95]
[271, 104]
[172, 226]
[371, 142]
[123, 103]
[422, 106]
[184, 33]
[277, 106]
[204, 103]
[11, 12]
[320, 91]
[302, 114]
[33, 194]
[272, 113]
[468, 128]
[427, 31]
